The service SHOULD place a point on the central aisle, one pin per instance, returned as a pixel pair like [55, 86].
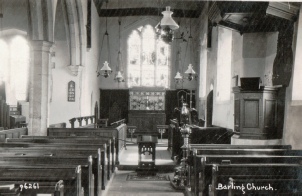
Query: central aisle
[120, 186]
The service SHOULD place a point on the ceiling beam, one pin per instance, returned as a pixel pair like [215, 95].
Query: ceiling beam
[147, 12]
[283, 10]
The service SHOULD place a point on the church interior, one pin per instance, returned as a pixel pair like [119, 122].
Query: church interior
[161, 97]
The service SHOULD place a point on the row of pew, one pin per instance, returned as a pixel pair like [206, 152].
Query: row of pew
[58, 165]
[224, 169]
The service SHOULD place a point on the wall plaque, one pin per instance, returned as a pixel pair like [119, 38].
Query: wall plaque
[71, 91]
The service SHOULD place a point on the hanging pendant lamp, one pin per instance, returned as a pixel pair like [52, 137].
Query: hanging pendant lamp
[178, 78]
[167, 26]
[119, 76]
[190, 71]
[105, 70]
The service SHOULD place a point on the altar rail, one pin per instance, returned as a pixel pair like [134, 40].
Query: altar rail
[80, 120]
[119, 122]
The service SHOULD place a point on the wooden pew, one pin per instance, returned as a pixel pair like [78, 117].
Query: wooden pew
[285, 186]
[69, 174]
[199, 135]
[72, 141]
[65, 155]
[12, 133]
[197, 164]
[203, 163]
[32, 160]
[111, 143]
[119, 133]
[16, 188]
[58, 125]
[229, 146]
[222, 172]
[102, 167]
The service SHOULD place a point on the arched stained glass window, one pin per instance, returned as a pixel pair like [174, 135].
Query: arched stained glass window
[148, 59]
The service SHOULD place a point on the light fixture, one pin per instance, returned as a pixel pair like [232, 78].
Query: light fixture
[119, 76]
[190, 71]
[191, 74]
[178, 78]
[167, 26]
[105, 70]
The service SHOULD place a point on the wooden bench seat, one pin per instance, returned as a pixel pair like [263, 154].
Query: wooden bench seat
[12, 133]
[118, 132]
[221, 174]
[282, 186]
[69, 174]
[203, 163]
[88, 181]
[99, 155]
[204, 158]
[229, 146]
[111, 142]
[55, 188]
[246, 151]
[104, 144]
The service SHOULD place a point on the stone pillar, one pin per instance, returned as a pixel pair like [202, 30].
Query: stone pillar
[39, 82]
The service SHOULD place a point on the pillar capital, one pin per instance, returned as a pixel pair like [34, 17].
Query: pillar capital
[75, 69]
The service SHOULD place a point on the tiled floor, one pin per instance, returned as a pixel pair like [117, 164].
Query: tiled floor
[119, 186]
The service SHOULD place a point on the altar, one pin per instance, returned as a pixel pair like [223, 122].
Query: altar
[146, 108]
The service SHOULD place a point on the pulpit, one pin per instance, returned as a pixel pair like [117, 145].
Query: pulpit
[259, 114]
[146, 146]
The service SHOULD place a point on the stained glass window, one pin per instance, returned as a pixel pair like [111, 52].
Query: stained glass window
[148, 59]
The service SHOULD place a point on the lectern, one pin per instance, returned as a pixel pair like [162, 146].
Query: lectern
[146, 144]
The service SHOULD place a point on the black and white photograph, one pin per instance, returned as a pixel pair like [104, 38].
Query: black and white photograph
[150, 97]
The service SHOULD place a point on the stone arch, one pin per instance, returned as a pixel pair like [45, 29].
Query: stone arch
[41, 20]
[75, 33]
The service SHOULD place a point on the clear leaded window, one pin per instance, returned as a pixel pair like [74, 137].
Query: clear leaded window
[14, 68]
[148, 59]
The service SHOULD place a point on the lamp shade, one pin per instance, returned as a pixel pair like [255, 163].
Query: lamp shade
[167, 20]
[106, 67]
[119, 77]
[178, 76]
[190, 70]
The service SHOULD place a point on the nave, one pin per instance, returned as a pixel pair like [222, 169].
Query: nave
[129, 159]
[68, 103]
[93, 165]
